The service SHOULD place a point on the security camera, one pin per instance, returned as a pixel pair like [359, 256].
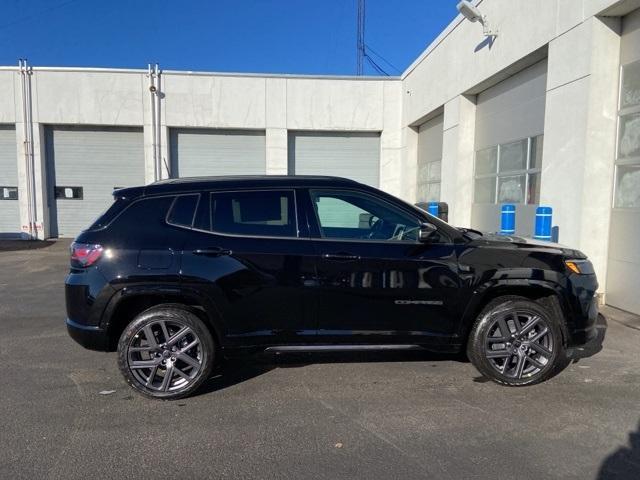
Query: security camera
[152, 88]
[469, 11]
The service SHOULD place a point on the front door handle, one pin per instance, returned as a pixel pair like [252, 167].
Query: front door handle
[212, 252]
[341, 257]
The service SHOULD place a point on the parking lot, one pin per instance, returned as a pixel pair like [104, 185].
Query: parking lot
[66, 413]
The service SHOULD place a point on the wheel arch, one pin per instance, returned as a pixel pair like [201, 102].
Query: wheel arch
[547, 293]
[129, 302]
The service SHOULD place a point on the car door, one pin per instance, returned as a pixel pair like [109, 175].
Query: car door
[248, 253]
[376, 282]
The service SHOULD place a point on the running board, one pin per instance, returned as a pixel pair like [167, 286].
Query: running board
[339, 348]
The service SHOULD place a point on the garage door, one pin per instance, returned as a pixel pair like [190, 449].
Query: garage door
[623, 272]
[206, 152]
[84, 166]
[429, 160]
[508, 149]
[9, 212]
[354, 155]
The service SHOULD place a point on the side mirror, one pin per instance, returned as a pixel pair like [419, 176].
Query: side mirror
[426, 230]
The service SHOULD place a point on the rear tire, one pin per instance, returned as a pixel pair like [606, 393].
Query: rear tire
[516, 342]
[166, 352]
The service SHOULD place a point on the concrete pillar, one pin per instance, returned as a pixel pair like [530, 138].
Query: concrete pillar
[457, 158]
[391, 139]
[580, 135]
[276, 126]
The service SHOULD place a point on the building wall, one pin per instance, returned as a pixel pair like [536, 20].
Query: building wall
[579, 41]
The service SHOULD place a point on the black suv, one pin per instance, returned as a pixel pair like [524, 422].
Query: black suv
[177, 274]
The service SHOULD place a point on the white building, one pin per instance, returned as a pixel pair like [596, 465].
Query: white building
[548, 113]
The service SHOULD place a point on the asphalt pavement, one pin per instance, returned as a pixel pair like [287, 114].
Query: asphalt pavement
[66, 413]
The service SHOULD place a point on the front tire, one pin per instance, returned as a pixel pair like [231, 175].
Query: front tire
[516, 342]
[166, 352]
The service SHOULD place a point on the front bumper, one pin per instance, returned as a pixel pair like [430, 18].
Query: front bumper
[89, 336]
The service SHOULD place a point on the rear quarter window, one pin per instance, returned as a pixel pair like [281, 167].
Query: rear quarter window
[146, 216]
[109, 214]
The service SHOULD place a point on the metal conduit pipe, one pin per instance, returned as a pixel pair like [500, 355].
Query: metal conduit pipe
[152, 107]
[27, 124]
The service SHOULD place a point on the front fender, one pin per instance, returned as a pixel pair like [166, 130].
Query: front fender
[543, 283]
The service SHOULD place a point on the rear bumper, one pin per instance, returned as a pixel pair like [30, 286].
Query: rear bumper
[89, 336]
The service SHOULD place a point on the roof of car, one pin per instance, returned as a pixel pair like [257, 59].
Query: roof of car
[186, 184]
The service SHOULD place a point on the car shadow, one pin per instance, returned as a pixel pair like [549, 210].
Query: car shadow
[624, 463]
[241, 369]
[595, 345]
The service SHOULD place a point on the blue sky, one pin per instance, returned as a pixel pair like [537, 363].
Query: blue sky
[263, 36]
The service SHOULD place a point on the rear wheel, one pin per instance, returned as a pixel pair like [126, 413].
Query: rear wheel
[517, 342]
[166, 352]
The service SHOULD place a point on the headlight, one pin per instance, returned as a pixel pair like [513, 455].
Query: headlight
[581, 267]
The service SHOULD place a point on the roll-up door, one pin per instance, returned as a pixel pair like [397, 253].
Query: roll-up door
[84, 166]
[208, 152]
[9, 210]
[354, 155]
[508, 149]
[429, 160]
[623, 272]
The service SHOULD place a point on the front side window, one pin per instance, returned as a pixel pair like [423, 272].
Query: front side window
[351, 215]
[509, 172]
[268, 213]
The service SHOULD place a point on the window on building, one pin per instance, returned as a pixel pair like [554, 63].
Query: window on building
[628, 155]
[509, 172]
[268, 213]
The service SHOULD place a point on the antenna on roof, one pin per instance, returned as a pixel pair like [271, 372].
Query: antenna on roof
[360, 46]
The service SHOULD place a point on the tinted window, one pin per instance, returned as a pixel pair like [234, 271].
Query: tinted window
[145, 216]
[264, 213]
[183, 210]
[358, 216]
[106, 217]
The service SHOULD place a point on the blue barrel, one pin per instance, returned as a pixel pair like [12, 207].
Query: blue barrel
[508, 220]
[543, 223]
[433, 208]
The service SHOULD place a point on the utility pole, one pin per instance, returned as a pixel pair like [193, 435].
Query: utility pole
[360, 37]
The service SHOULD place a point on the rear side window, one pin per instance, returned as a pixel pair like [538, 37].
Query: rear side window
[183, 210]
[269, 213]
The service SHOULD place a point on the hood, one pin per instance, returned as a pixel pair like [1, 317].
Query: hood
[497, 240]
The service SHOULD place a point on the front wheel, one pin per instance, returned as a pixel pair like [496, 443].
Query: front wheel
[166, 352]
[517, 342]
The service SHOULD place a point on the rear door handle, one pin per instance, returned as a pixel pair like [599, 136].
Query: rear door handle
[340, 257]
[212, 252]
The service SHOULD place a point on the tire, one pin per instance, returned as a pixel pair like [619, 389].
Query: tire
[175, 362]
[532, 350]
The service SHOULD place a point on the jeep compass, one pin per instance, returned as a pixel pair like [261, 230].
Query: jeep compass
[181, 273]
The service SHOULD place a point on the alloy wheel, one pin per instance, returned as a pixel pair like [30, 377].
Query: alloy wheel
[519, 343]
[165, 356]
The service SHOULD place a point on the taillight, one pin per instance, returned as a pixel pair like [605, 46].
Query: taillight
[85, 255]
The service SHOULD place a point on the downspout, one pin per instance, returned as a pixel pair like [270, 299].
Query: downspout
[27, 124]
[152, 105]
[158, 129]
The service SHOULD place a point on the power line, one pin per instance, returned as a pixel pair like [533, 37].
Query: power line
[368, 47]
